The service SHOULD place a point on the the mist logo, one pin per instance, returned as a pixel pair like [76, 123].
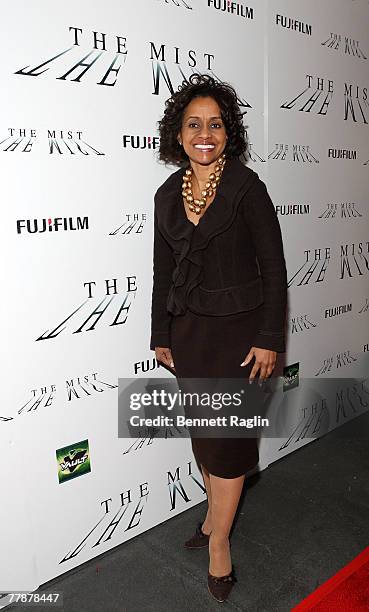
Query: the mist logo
[300, 323]
[356, 103]
[132, 225]
[313, 269]
[176, 485]
[312, 423]
[317, 96]
[140, 142]
[112, 50]
[180, 3]
[73, 461]
[347, 45]
[328, 406]
[18, 139]
[76, 388]
[291, 376]
[235, 8]
[96, 313]
[295, 153]
[336, 361]
[48, 395]
[364, 307]
[55, 142]
[116, 516]
[252, 154]
[57, 224]
[342, 210]
[170, 67]
[354, 260]
[61, 142]
[178, 61]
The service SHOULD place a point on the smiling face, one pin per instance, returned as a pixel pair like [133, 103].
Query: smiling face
[203, 133]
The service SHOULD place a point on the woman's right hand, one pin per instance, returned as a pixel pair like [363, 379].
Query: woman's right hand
[164, 355]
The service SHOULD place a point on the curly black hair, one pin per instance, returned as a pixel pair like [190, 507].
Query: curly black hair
[201, 85]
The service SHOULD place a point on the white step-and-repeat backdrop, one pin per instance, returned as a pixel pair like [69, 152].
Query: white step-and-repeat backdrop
[84, 85]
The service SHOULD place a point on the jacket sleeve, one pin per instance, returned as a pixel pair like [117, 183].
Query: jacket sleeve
[163, 267]
[263, 223]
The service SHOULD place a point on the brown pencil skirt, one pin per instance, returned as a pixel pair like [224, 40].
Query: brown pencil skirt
[213, 347]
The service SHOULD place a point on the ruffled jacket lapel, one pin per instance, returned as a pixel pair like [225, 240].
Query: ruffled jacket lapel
[187, 240]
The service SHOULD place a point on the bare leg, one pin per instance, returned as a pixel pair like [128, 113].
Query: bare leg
[225, 494]
[207, 524]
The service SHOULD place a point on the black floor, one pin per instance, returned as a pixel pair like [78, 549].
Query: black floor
[299, 522]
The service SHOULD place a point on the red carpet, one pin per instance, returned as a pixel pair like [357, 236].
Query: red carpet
[346, 591]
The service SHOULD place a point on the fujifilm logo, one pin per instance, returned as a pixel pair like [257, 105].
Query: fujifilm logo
[56, 224]
[236, 8]
[293, 24]
[140, 142]
[334, 311]
[342, 153]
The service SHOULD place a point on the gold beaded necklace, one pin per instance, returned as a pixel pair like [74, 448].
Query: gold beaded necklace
[197, 205]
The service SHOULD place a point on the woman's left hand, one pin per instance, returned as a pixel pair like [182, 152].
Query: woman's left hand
[264, 361]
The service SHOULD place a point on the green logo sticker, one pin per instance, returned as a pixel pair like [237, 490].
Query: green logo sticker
[291, 376]
[73, 461]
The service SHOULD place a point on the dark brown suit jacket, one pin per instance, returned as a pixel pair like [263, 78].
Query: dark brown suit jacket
[231, 262]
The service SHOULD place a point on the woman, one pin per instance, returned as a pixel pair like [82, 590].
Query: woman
[219, 287]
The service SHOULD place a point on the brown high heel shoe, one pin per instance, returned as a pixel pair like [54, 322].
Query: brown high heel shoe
[220, 586]
[199, 539]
